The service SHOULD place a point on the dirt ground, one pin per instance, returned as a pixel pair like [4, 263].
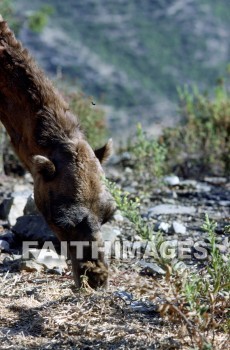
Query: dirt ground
[41, 311]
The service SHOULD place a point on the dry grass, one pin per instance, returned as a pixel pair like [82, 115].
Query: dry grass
[47, 312]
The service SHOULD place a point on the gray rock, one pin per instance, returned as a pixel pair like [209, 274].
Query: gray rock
[16, 209]
[224, 203]
[118, 217]
[118, 158]
[8, 236]
[171, 180]
[49, 259]
[203, 187]
[188, 183]
[128, 170]
[162, 226]
[215, 180]
[180, 266]
[4, 245]
[56, 271]
[31, 266]
[169, 209]
[14, 204]
[33, 228]
[5, 207]
[151, 268]
[30, 207]
[110, 233]
[178, 228]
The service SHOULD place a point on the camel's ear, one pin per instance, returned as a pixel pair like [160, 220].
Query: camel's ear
[44, 166]
[104, 152]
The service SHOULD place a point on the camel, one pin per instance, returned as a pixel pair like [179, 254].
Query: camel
[69, 188]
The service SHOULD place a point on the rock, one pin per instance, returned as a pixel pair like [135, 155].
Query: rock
[169, 209]
[129, 189]
[16, 209]
[4, 245]
[162, 226]
[28, 177]
[215, 180]
[5, 207]
[8, 236]
[55, 271]
[188, 183]
[110, 233]
[171, 180]
[178, 228]
[224, 203]
[128, 170]
[33, 228]
[138, 238]
[118, 217]
[180, 266]
[151, 268]
[22, 190]
[30, 207]
[136, 305]
[49, 259]
[203, 187]
[116, 159]
[13, 206]
[31, 266]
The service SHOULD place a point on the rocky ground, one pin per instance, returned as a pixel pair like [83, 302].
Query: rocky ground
[40, 307]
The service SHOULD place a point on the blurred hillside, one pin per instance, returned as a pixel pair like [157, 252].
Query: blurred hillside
[132, 55]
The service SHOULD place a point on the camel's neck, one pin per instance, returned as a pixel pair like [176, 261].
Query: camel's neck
[34, 114]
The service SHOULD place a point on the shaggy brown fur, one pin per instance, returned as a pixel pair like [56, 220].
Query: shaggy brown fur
[68, 185]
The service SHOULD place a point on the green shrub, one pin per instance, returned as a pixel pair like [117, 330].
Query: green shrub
[207, 292]
[8, 13]
[148, 153]
[39, 19]
[130, 209]
[202, 144]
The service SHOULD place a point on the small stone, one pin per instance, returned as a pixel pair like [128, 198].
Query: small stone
[171, 180]
[17, 256]
[56, 271]
[30, 207]
[128, 170]
[118, 217]
[46, 257]
[31, 266]
[151, 268]
[224, 203]
[162, 226]
[4, 245]
[50, 262]
[30, 291]
[126, 156]
[8, 236]
[138, 238]
[16, 209]
[28, 177]
[180, 266]
[5, 207]
[110, 233]
[203, 187]
[188, 183]
[168, 209]
[178, 228]
[215, 180]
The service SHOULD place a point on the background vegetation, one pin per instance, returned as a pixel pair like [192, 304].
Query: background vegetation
[132, 55]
